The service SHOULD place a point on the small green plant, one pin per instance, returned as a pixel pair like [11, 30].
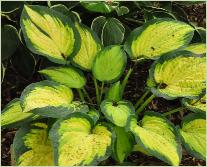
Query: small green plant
[55, 129]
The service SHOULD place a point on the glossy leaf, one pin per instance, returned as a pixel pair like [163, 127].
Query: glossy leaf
[10, 41]
[122, 10]
[66, 75]
[90, 46]
[158, 137]
[114, 92]
[180, 74]
[148, 42]
[197, 48]
[196, 105]
[12, 115]
[95, 115]
[32, 146]
[123, 144]
[47, 98]
[49, 33]
[100, 7]
[193, 134]
[117, 112]
[77, 143]
[110, 30]
[109, 64]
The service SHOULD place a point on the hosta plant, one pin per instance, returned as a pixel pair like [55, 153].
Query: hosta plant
[57, 128]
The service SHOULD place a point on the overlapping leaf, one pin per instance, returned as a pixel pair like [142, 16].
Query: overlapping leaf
[197, 48]
[158, 137]
[77, 143]
[123, 144]
[114, 92]
[12, 114]
[117, 112]
[32, 146]
[47, 98]
[67, 75]
[109, 63]
[193, 134]
[90, 45]
[110, 30]
[196, 105]
[180, 74]
[157, 37]
[49, 33]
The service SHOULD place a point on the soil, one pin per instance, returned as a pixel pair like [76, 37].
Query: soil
[14, 84]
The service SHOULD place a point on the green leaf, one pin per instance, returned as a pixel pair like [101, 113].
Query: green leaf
[95, 115]
[195, 105]
[10, 41]
[49, 33]
[100, 7]
[111, 30]
[76, 142]
[158, 137]
[193, 135]
[109, 64]
[148, 42]
[179, 74]
[3, 70]
[32, 146]
[66, 75]
[123, 144]
[90, 46]
[122, 10]
[114, 92]
[197, 48]
[12, 115]
[117, 112]
[47, 98]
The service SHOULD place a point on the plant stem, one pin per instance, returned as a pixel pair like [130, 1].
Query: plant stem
[140, 100]
[81, 94]
[86, 93]
[97, 91]
[173, 111]
[145, 103]
[126, 80]
[102, 88]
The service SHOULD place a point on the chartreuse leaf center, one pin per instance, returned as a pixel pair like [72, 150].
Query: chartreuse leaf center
[180, 74]
[158, 137]
[32, 147]
[47, 98]
[157, 37]
[193, 135]
[49, 33]
[78, 143]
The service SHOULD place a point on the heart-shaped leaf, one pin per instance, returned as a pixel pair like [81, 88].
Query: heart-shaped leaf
[110, 30]
[49, 33]
[123, 144]
[10, 41]
[158, 137]
[193, 135]
[109, 64]
[117, 112]
[197, 48]
[47, 98]
[157, 37]
[32, 146]
[77, 143]
[196, 105]
[90, 45]
[12, 115]
[67, 75]
[100, 7]
[180, 74]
